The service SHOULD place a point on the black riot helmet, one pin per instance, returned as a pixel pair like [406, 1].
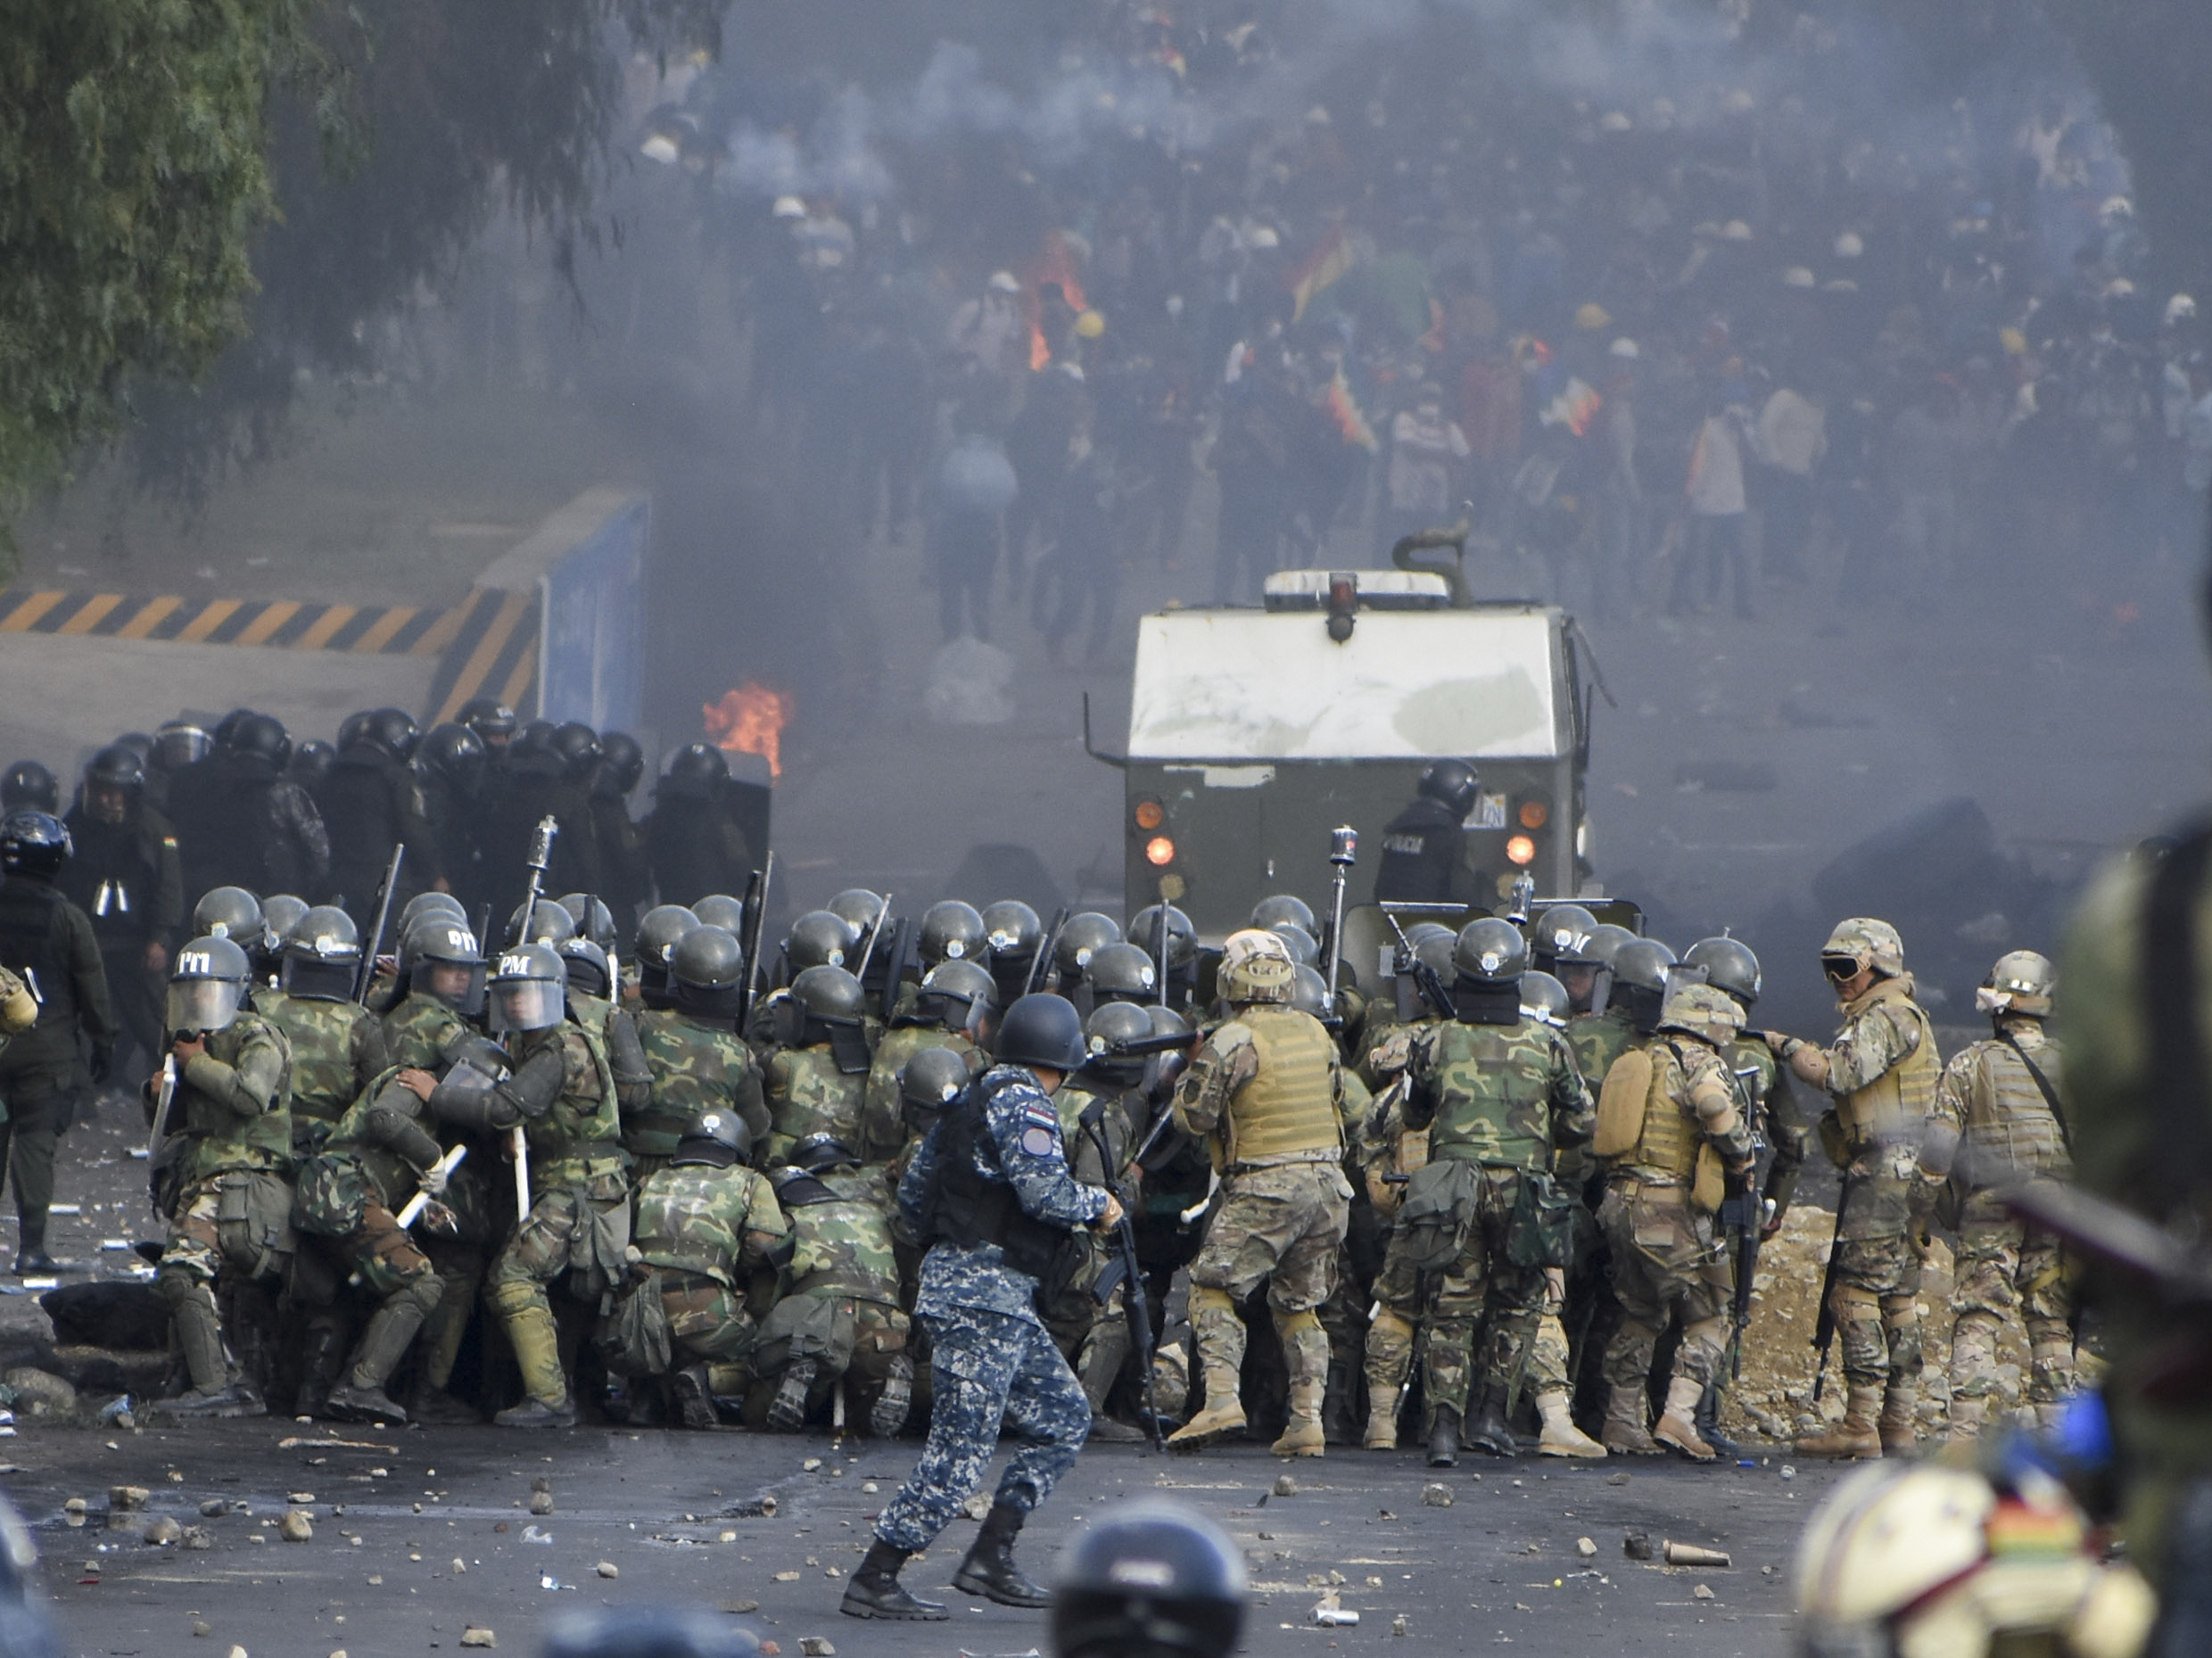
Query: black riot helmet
[529, 988]
[259, 736]
[549, 924]
[311, 762]
[178, 744]
[821, 939]
[1730, 965]
[578, 745]
[227, 912]
[1304, 948]
[720, 910]
[959, 995]
[930, 1080]
[695, 771]
[350, 728]
[1489, 951]
[113, 767]
[1110, 1025]
[817, 1154]
[491, 719]
[590, 972]
[594, 920]
[1148, 1578]
[1285, 907]
[1122, 972]
[658, 930]
[280, 913]
[1544, 997]
[1082, 937]
[714, 1140]
[1181, 937]
[706, 973]
[207, 986]
[1453, 784]
[950, 931]
[440, 958]
[1309, 994]
[824, 1002]
[1042, 1030]
[1563, 935]
[622, 762]
[34, 843]
[423, 905]
[858, 907]
[392, 729]
[322, 955]
[1013, 931]
[1433, 946]
[27, 785]
[1640, 981]
[457, 754]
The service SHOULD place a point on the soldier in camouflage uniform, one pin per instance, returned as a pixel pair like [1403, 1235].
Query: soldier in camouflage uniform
[1881, 1072]
[578, 1221]
[817, 1078]
[593, 1002]
[950, 1010]
[1498, 1092]
[1997, 1121]
[1673, 1135]
[697, 1061]
[837, 1323]
[703, 1221]
[228, 1150]
[990, 1191]
[1264, 1091]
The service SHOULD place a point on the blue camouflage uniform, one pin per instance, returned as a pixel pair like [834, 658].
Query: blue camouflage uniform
[991, 1364]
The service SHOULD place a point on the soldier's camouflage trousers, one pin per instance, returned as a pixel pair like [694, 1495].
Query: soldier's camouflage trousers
[988, 1372]
[1282, 1227]
[2007, 1271]
[564, 1227]
[1877, 1314]
[853, 1342]
[1484, 1297]
[707, 1321]
[1662, 1263]
[1392, 1327]
[1547, 1353]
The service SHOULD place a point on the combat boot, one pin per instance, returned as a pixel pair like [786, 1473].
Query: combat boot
[1966, 1418]
[1491, 1431]
[1303, 1435]
[435, 1405]
[232, 1400]
[31, 1252]
[1222, 1419]
[886, 1417]
[989, 1570]
[1709, 1423]
[1676, 1427]
[537, 1355]
[1382, 1419]
[874, 1590]
[320, 1357]
[1561, 1437]
[1899, 1427]
[348, 1403]
[535, 1413]
[695, 1399]
[1854, 1436]
[1102, 1363]
[1444, 1437]
[787, 1413]
[1624, 1433]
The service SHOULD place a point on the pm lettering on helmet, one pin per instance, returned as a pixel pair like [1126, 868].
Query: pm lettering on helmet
[195, 964]
[514, 967]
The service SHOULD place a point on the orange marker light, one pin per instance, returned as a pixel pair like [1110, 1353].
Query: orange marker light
[1150, 814]
[1159, 851]
[1534, 814]
[1521, 850]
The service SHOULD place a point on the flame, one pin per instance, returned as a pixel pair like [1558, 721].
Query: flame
[750, 721]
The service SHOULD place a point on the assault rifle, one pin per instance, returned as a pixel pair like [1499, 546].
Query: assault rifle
[1824, 1329]
[1124, 1272]
[1426, 979]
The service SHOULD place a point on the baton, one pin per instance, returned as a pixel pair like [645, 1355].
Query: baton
[445, 1165]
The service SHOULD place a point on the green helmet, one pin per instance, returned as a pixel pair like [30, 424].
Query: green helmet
[1544, 997]
[1565, 936]
[857, 906]
[227, 912]
[929, 1082]
[950, 931]
[549, 924]
[1082, 937]
[1284, 907]
[2022, 983]
[1702, 1011]
[1730, 965]
[1489, 951]
[1867, 942]
[1112, 1023]
[820, 938]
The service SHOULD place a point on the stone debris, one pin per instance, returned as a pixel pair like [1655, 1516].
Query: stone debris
[1637, 1545]
[196, 1537]
[215, 1506]
[201, 1627]
[162, 1530]
[38, 1392]
[476, 1636]
[817, 1646]
[608, 1569]
[868, 1487]
[73, 1512]
[295, 1527]
[124, 1498]
[1586, 1548]
[542, 1502]
[1437, 1495]
[1701, 1593]
[1398, 1626]
[236, 1652]
[1284, 1485]
[740, 1607]
[810, 1465]
[787, 1577]
[974, 1507]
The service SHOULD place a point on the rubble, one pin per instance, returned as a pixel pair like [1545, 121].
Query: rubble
[477, 1635]
[1284, 1485]
[295, 1527]
[817, 1646]
[608, 1568]
[1436, 1495]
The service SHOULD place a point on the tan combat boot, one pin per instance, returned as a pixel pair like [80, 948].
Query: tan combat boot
[1383, 1419]
[1966, 1418]
[1303, 1436]
[1899, 1427]
[1623, 1432]
[1222, 1419]
[1855, 1435]
[1561, 1437]
[1678, 1423]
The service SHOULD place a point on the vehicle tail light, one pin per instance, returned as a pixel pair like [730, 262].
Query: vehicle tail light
[1521, 850]
[1159, 852]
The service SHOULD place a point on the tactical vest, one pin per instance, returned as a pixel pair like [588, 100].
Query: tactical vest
[808, 1095]
[30, 944]
[1503, 1121]
[691, 1219]
[1290, 1107]
[418, 1032]
[696, 1068]
[223, 1139]
[580, 1138]
[968, 1209]
[321, 1034]
[2010, 1129]
[1666, 1145]
[842, 1238]
[1896, 1103]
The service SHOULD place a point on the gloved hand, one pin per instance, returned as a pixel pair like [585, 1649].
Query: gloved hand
[433, 1179]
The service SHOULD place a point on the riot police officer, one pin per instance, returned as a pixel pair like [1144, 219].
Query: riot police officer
[693, 840]
[450, 766]
[241, 821]
[697, 1061]
[1425, 846]
[125, 875]
[1148, 1578]
[371, 802]
[30, 786]
[625, 871]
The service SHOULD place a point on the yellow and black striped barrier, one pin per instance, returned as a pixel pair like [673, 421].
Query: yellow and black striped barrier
[487, 644]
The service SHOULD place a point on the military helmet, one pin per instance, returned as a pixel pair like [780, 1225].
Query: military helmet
[1148, 1578]
[322, 954]
[1011, 930]
[1423, 931]
[590, 972]
[2022, 982]
[225, 912]
[423, 905]
[578, 745]
[1642, 964]
[529, 988]
[280, 913]
[549, 924]
[1284, 907]
[1181, 937]
[1122, 972]
[1304, 948]
[350, 728]
[959, 995]
[1310, 993]
[1436, 949]
[1042, 1029]
[929, 1081]
[830, 995]
[1454, 783]
[179, 743]
[856, 907]
[1256, 966]
[1562, 936]
[621, 763]
[1489, 951]
[115, 767]
[1082, 937]
[593, 919]
[206, 985]
[1168, 1021]
[714, 1140]
[456, 752]
[707, 958]
[950, 931]
[489, 718]
[659, 929]
[34, 843]
[1544, 997]
[393, 731]
[720, 910]
[817, 1154]
[1607, 940]
[1703, 1010]
[1112, 1023]
[820, 938]
[1865, 943]
[697, 772]
[1730, 965]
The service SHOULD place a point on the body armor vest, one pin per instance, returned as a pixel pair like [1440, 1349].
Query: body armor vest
[2010, 1130]
[1666, 1147]
[572, 1141]
[816, 1098]
[840, 1231]
[684, 1223]
[695, 1068]
[417, 1031]
[966, 1209]
[1895, 1104]
[1290, 1107]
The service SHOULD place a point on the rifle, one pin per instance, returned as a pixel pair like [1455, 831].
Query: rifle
[375, 941]
[1343, 852]
[1041, 968]
[1426, 979]
[1125, 1273]
[1824, 1331]
[1744, 1212]
[538, 861]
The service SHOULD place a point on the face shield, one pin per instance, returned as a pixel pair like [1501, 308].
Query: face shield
[318, 981]
[459, 985]
[527, 1004]
[199, 1005]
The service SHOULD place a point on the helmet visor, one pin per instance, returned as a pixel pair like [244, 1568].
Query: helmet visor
[204, 1004]
[459, 985]
[527, 1004]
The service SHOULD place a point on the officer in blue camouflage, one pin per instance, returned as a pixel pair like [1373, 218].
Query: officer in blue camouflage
[990, 1191]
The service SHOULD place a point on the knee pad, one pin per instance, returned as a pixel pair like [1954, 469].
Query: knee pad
[507, 1297]
[1387, 1325]
[1290, 1326]
[1205, 1299]
[177, 1283]
[422, 1291]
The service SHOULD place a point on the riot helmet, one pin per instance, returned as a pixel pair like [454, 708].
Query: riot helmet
[350, 728]
[706, 973]
[821, 939]
[621, 763]
[1729, 966]
[456, 753]
[392, 729]
[424, 905]
[1150, 1579]
[950, 931]
[589, 973]
[118, 767]
[1489, 951]
[1543, 998]
[178, 744]
[440, 958]
[549, 924]
[578, 745]
[491, 719]
[1013, 931]
[1453, 784]
[721, 910]
[282, 913]
[1121, 972]
[259, 736]
[1112, 1024]
[1562, 936]
[824, 1000]
[1304, 948]
[929, 1081]
[959, 995]
[1640, 977]
[529, 988]
[1042, 1030]
[322, 955]
[658, 930]
[1181, 937]
[819, 1154]
[27, 785]
[1309, 994]
[695, 771]
[715, 1139]
[1285, 907]
[208, 985]
[1434, 947]
[857, 907]
[1082, 937]
[311, 762]
[593, 919]
[35, 844]
[228, 912]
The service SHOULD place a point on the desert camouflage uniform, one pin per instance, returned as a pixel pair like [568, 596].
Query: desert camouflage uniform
[697, 1066]
[808, 1095]
[840, 1299]
[700, 1227]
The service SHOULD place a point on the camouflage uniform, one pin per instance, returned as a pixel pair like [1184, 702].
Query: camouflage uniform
[1598, 1039]
[2006, 1132]
[883, 1126]
[633, 1077]
[839, 1305]
[231, 1219]
[1386, 1147]
[809, 1094]
[991, 1364]
[1497, 1100]
[697, 1066]
[337, 1049]
[699, 1226]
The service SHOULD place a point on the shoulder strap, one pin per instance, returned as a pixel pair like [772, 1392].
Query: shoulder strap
[2043, 1086]
[2180, 1101]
